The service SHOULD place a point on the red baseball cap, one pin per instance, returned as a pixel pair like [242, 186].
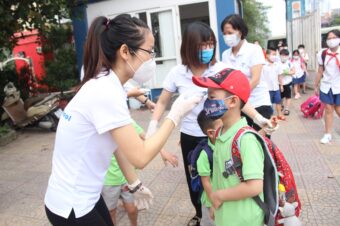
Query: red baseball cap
[233, 81]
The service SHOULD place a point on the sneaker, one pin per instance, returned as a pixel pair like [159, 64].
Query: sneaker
[326, 139]
[195, 221]
[297, 96]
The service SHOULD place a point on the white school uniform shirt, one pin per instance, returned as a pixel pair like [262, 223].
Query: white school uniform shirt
[331, 74]
[298, 68]
[180, 79]
[84, 145]
[248, 56]
[285, 67]
[270, 73]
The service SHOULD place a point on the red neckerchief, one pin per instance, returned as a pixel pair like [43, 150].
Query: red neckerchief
[333, 55]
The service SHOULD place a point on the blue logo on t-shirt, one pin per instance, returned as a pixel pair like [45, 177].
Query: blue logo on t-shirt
[66, 116]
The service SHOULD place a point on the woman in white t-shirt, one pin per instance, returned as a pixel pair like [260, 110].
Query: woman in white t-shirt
[249, 59]
[328, 77]
[198, 59]
[97, 123]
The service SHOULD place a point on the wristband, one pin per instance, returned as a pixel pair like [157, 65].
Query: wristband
[135, 188]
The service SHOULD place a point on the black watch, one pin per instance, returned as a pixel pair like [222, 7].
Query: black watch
[136, 188]
[146, 100]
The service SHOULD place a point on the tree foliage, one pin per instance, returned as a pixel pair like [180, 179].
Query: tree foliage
[255, 16]
[18, 15]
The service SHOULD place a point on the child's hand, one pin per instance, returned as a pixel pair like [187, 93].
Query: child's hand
[211, 213]
[169, 158]
[215, 200]
[281, 89]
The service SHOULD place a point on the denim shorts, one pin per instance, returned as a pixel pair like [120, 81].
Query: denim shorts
[275, 96]
[330, 98]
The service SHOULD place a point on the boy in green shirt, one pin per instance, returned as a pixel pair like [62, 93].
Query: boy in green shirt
[228, 91]
[115, 188]
[208, 127]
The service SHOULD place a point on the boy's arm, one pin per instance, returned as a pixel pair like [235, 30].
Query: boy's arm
[207, 185]
[247, 189]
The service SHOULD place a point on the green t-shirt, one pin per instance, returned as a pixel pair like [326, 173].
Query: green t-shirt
[203, 169]
[246, 211]
[114, 175]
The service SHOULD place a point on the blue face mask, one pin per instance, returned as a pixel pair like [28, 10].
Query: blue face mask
[205, 55]
[215, 109]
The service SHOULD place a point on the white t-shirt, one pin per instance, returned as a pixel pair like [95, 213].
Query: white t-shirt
[84, 145]
[284, 69]
[180, 79]
[248, 56]
[298, 68]
[331, 74]
[270, 73]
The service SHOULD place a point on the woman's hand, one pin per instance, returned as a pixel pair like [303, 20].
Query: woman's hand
[169, 158]
[135, 92]
[150, 105]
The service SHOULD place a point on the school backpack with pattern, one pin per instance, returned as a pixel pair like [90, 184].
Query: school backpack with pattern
[312, 107]
[276, 171]
[196, 184]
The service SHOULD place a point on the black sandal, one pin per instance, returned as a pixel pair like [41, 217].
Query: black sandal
[195, 221]
[286, 112]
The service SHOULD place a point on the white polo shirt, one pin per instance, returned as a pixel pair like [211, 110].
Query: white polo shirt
[270, 73]
[180, 79]
[284, 68]
[331, 74]
[248, 56]
[298, 68]
[84, 145]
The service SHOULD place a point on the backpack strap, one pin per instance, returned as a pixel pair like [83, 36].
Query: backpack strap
[236, 157]
[323, 57]
[209, 153]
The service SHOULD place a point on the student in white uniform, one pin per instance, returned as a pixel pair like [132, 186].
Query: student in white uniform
[328, 77]
[305, 58]
[249, 59]
[300, 70]
[198, 59]
[97, 123]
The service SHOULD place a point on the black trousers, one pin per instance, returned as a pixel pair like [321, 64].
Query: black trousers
[99, 216]
[189, 143]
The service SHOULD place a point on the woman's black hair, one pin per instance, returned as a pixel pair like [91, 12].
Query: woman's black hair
[237, 23]
[334, 31]
[296, 51]
[194, 35]
[104, 39]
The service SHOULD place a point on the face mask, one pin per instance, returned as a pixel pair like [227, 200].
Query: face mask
[145, 72]
[284, 59]
[301, 51]
[296, 57]
[231, 40]
[272, 58]
[215, 109]
[206, 55]
[332, 43]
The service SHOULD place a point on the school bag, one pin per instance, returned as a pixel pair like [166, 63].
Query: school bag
[276, 172]
[196, 184]
[312, 108]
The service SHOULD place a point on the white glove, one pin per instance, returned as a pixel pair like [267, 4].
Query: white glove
[266, 124]
[143, 196]
[183, 105]
[151, 128]
[262, 121]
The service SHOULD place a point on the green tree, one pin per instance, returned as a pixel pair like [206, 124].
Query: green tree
[18, 15]
[255, 16]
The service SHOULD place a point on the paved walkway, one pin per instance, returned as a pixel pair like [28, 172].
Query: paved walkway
[25, 166]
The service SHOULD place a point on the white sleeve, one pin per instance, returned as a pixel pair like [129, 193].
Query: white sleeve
[257, 56]
[169, 83]
[318, 56]
[109, 110]
[224, 56]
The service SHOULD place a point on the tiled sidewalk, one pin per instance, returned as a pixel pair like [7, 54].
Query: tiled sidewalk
[25, 166]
